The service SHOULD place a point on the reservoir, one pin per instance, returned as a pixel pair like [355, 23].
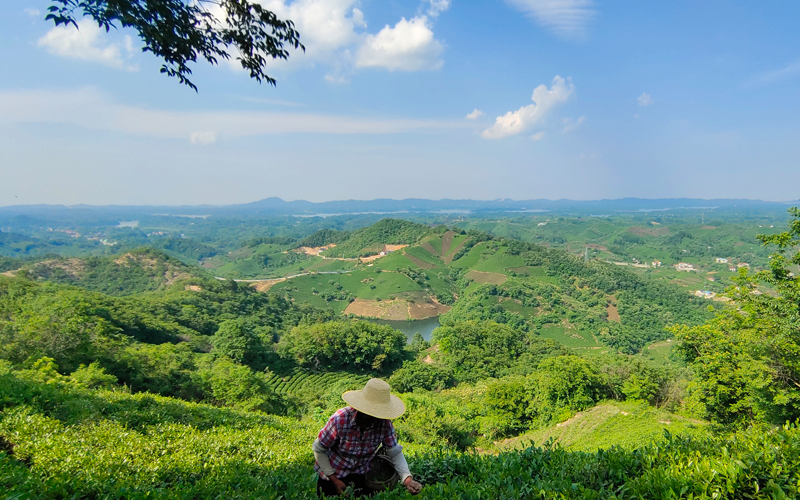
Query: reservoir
[424, 326]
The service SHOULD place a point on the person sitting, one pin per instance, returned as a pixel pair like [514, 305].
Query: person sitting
[350, 439]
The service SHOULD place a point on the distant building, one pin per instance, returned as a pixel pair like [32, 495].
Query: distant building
[542, 224]
[656, 263]
[721, 260]
[732, 268]
[742, 264]
[683, 266]
[705, 294]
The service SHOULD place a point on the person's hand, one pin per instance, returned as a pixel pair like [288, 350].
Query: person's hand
[338, 483]
[412, 486]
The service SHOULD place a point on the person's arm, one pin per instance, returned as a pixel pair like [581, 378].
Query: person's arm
[395, 454]
[321, 456]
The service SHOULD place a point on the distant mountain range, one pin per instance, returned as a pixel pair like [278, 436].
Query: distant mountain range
[277, 206]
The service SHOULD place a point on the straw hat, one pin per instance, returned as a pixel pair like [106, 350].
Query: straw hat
[375, 400]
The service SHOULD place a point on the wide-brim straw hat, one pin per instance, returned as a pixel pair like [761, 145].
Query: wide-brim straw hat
[376, 400]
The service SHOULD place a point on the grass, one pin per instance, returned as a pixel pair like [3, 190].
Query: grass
[626, 424]
[360, 283]
[393, 261]
[570, 337]
[436, 243]
[537, 273]
[424, 255]
[660, 352]
[482, 258]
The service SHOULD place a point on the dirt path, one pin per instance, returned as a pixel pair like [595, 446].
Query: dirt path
[447, 242]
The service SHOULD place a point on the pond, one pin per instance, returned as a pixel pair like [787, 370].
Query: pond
[424, 326]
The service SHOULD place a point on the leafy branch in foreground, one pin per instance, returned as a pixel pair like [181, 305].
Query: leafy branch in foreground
[180, 31]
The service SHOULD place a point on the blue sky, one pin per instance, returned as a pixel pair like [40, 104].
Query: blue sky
[520, 99]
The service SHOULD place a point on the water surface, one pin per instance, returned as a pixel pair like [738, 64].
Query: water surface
[424, 326]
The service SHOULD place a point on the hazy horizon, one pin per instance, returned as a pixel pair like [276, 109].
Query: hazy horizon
[580, 100]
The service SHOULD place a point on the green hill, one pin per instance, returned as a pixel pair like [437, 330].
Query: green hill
[371, 239]
[324, 237]
[141, 270]
[584, 305]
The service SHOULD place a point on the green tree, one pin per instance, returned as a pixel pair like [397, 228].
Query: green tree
[416, 375]
[747, 358]
[341, 344]
[178, 32]
[237, 341]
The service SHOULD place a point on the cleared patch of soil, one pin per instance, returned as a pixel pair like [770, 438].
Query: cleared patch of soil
[427, 309]
[485, 277]
[419, 262]
[447, 241]
[595, 246]
[398, 309]
[612, 312]
[264, 286]
[707, 227]
[315, 250]
[386, 250]
[427, 246]
[193, 288]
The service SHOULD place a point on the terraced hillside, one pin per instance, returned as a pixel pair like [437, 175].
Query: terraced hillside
[584, 305]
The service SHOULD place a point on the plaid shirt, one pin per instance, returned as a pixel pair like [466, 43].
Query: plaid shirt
[350, 450]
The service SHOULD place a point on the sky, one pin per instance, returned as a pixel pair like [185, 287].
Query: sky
[522, 99]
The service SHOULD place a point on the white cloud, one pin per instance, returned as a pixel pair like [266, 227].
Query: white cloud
[32, 12]
[570, 125]
[89, 108]
[774, 76]
[515, 122]
[203, 137]
[644, 100]
[334, 33]
[437, 7]
[566, 18]
[477, 113]
[408, 46]
[538, 136]
[88, 43]
[325, 26]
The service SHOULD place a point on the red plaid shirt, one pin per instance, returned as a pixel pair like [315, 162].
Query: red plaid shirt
[350, 450]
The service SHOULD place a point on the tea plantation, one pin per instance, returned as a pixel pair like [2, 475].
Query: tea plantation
[61, 440]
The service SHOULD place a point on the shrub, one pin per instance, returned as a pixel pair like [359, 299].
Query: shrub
[344, 344]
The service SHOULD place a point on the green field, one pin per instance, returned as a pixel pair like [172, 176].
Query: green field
[363, 284]
[611, 424]
[570, 337]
